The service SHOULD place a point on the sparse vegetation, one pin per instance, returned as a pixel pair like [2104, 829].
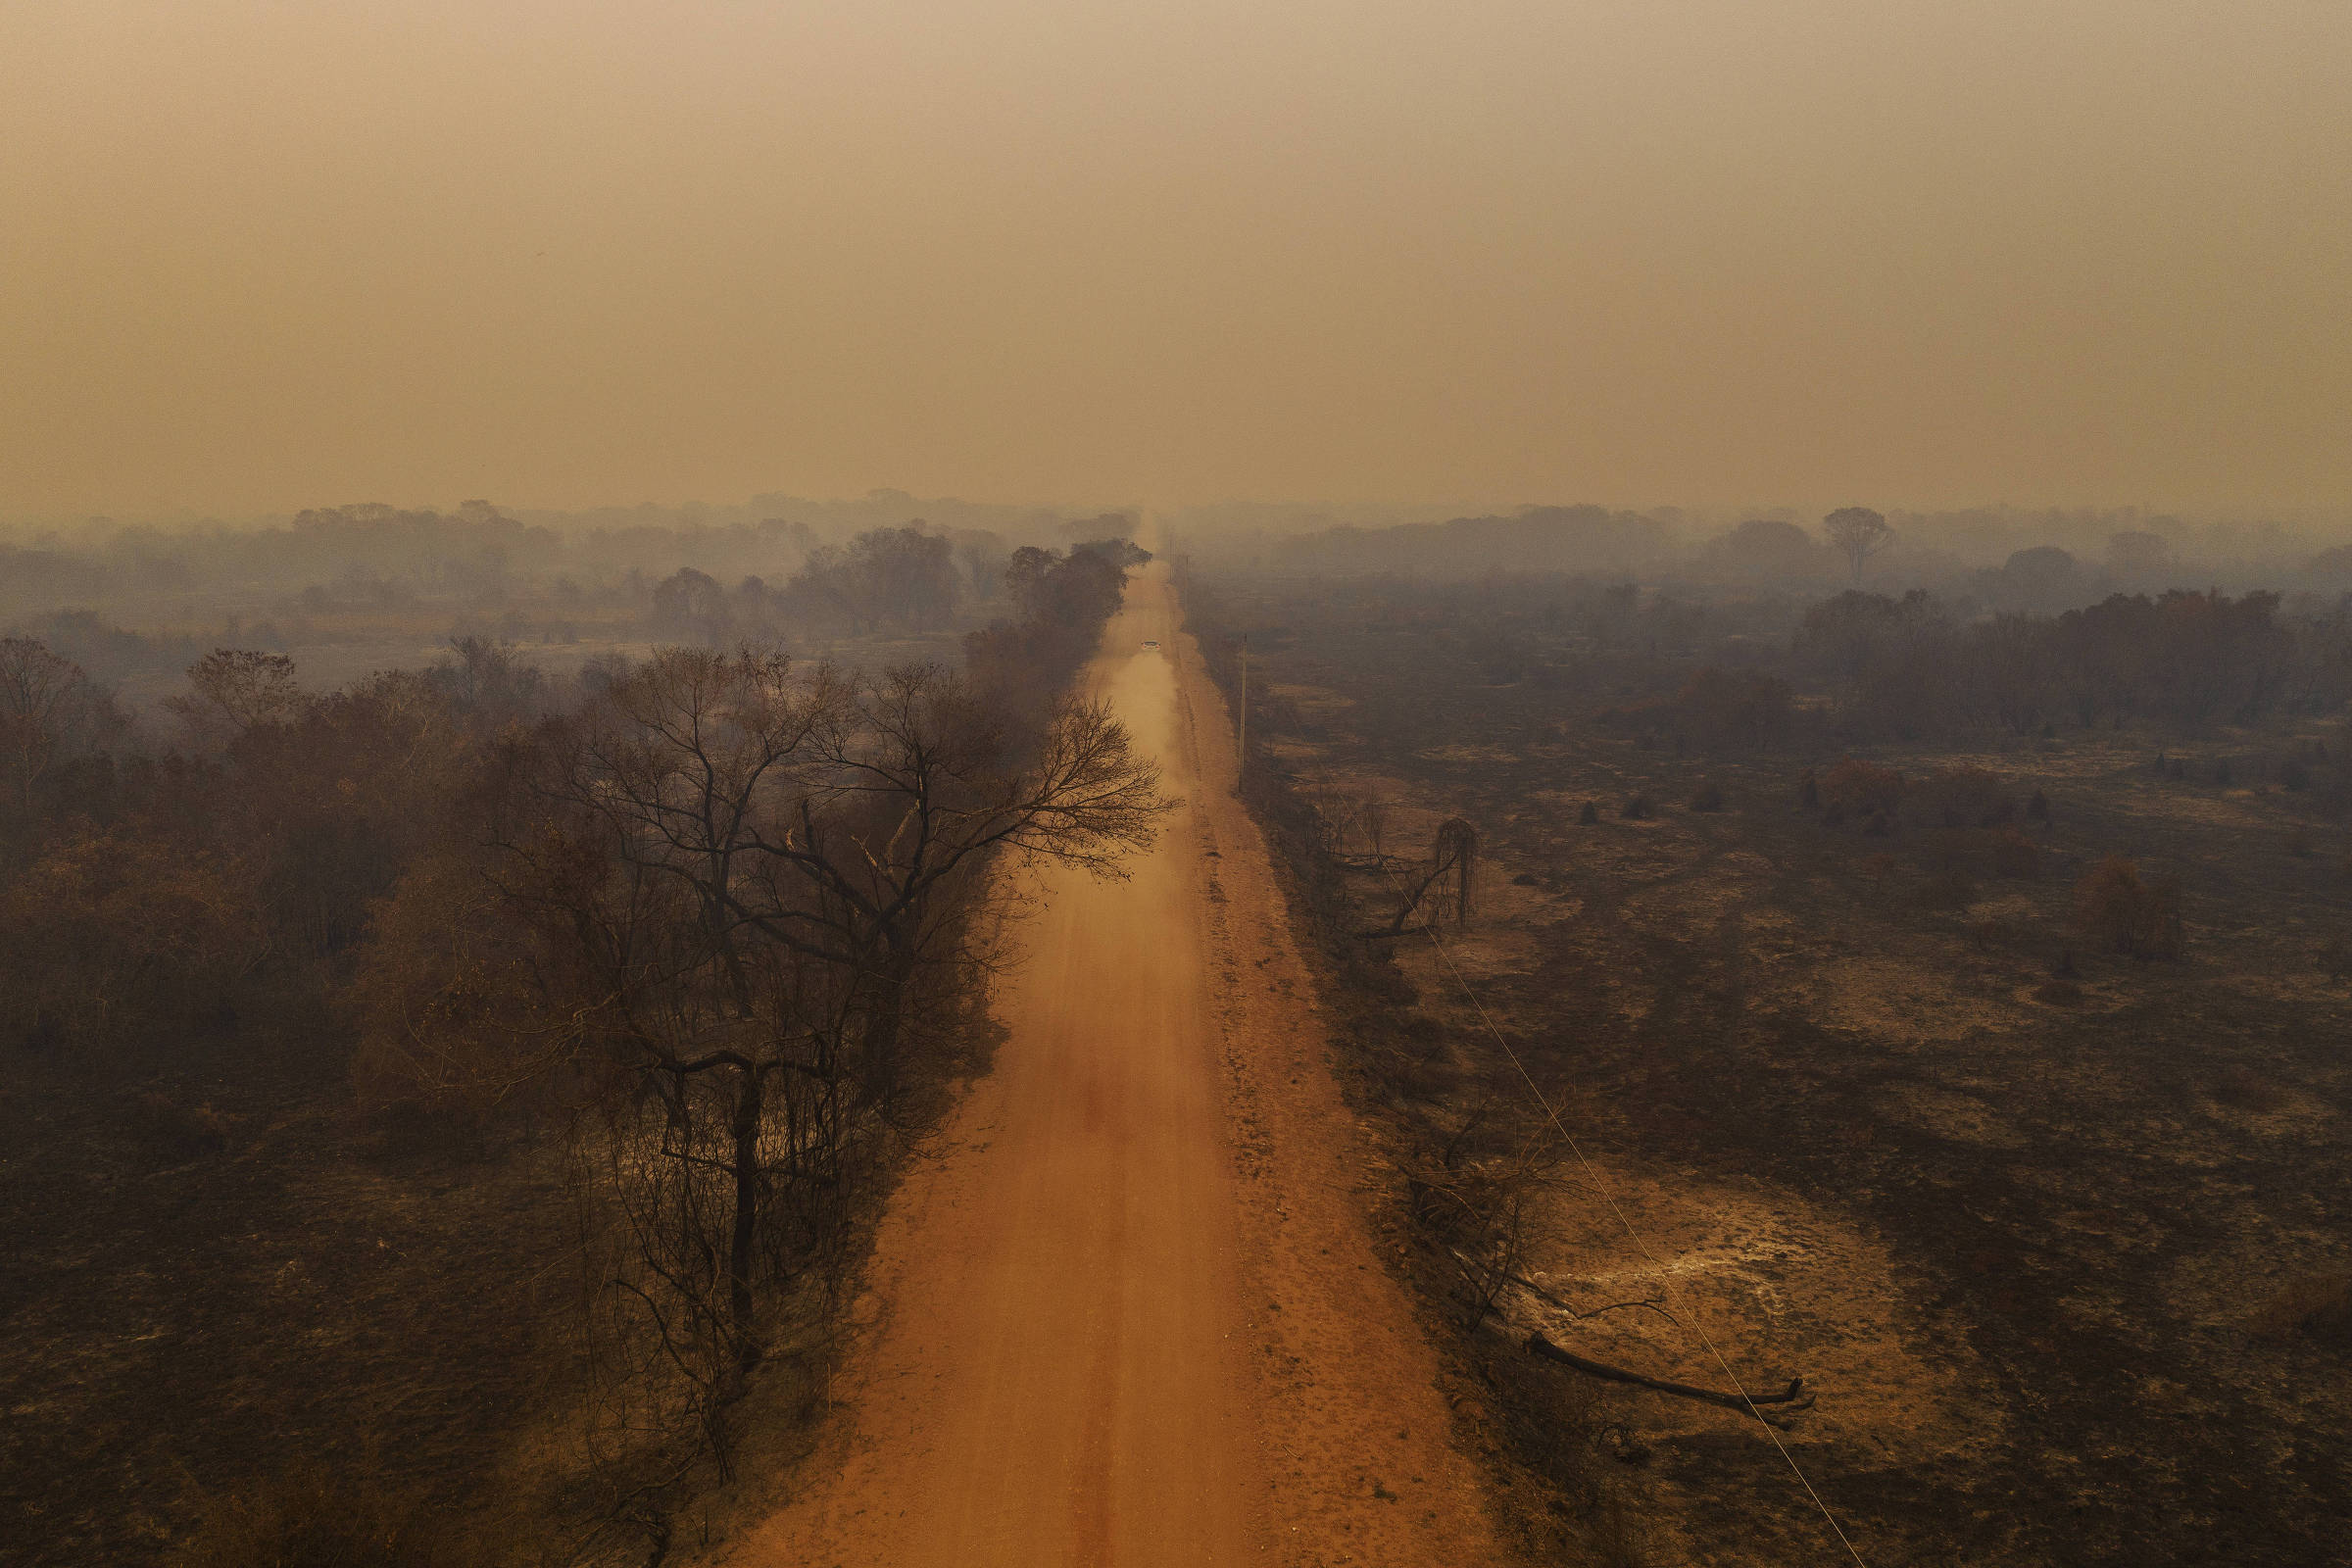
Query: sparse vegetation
[1938, 1019]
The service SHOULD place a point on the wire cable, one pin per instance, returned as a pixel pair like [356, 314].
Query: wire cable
[1665, 1280]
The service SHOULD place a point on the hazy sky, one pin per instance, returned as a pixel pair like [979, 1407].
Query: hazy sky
[265, 254]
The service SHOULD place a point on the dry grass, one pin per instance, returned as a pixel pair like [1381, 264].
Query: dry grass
[2045, 1133]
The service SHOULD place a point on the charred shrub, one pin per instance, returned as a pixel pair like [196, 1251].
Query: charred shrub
[2140, 918]
[2241, 1086]
[1964, 797]
[168, 1129]
[2014, 854]
[312, 1517]
[2317, 1309]
[1862, 786]
[1948, 889]
[1994, 934]
[1557, 1418]
[1729, 709]
[1948, 885]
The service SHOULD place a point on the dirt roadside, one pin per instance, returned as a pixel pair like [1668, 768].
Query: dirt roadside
[1132, 1311]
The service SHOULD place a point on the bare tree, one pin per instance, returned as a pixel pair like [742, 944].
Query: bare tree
[231, 690]
[1857, 533]
[743, 892]
[1453, 854]
[46, 704]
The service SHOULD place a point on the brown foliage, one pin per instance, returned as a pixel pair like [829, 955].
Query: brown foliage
[2133, 915]
[1853, 786]
[118, 929]
[50, 715]
[231, 690]
[447, 996]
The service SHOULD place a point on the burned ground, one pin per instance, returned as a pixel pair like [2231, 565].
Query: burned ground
[215, 1272]
[2031, 1216]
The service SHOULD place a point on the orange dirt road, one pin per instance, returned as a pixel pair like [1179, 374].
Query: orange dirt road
[1130, 1313]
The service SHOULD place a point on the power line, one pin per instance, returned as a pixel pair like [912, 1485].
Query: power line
[1600, 1185]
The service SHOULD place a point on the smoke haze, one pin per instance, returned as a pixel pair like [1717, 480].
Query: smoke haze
[268, 255]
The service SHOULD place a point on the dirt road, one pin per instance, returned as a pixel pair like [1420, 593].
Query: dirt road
[1130, 1313]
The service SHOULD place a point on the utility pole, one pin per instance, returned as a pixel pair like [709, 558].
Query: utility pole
[1242, 743]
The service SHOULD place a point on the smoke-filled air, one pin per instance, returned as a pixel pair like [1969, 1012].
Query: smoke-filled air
[945, 782]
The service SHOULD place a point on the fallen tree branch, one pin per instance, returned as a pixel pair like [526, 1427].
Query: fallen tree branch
[1557, 1304]
[1794, 1395]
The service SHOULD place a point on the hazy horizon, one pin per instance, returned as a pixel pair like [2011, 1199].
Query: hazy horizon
[267, 257]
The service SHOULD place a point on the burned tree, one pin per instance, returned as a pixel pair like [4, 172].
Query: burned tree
[727, 900]
[1452, 855]
[48, 709]
[1857, 533]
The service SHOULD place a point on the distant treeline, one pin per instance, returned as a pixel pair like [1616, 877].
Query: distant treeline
[2185, 660]
[886, 581]
[479, 555]
[1748, 669]
[285, 812]
[2043, 562]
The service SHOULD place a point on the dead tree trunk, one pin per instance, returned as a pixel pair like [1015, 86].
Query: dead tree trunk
[744, 1238]
[1453, 854]
[1794, 1395]
[1457, 851]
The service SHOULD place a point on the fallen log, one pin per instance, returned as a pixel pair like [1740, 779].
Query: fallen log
[1793, 1397]
[1556, 1303]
